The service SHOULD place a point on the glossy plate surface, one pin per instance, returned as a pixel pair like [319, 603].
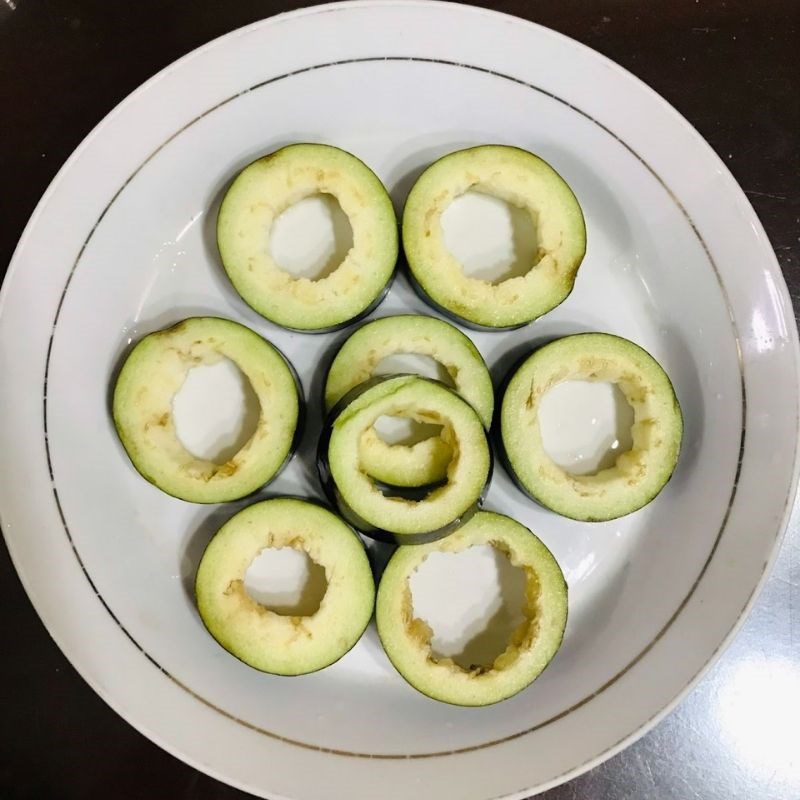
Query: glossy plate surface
[123, 243]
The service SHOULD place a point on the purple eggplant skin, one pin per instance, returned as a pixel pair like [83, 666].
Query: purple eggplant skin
[333, 495]
[302, 412]
[504, 460]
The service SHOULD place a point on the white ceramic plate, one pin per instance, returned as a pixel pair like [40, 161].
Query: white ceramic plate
[123, 243]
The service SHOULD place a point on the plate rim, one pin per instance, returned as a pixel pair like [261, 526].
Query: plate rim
[774, 269]
[619, 674]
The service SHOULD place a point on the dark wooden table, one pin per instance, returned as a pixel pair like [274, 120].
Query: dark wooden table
[729, 66]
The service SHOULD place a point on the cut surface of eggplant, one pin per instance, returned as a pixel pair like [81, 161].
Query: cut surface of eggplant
[152, 375]
[523, 180]
[364, 502]
[639, 473]
[424, 462]
[273, 642]
[407, 638]
[269, 186]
